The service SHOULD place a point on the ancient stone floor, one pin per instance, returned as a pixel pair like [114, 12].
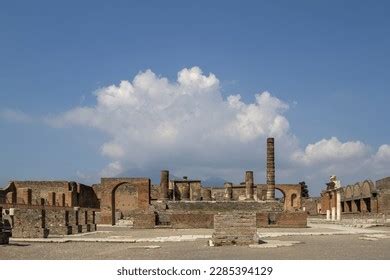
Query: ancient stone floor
[319, 241]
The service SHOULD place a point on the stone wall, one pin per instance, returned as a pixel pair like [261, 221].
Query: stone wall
[309, 205]
[281, 219]
[234, 228]
[191, 219]
[4, 236]
[108, 188]
[52, 193]
[40, 222]
[224, 206]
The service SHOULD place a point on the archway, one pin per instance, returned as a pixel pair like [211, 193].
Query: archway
[294, 200]
[124, 200]
[280, 195]
[109, 196]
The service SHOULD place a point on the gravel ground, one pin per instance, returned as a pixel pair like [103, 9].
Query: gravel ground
[347, 246]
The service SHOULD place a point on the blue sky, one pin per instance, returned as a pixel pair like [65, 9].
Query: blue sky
[328, 61]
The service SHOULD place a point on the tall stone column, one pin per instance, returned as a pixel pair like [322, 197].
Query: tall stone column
[338, 205]
[164, 185]
[270, 169]
[249, 185]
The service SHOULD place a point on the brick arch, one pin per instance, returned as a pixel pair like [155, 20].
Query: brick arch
[367, 188]
[110, 185]
[292, 193]
[357, 191]
[348, 192]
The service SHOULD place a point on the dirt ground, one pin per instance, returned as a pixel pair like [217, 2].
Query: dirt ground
[316, 242]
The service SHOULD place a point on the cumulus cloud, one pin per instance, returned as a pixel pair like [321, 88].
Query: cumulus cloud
[331, 150]
[181, 123]
[187, 126]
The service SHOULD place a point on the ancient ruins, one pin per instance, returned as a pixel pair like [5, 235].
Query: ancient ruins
[41, 209]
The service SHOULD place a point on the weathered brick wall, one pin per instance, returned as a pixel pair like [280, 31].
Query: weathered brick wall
[218, 194]
[4, 237]
[310, 205]
[40, 189]
[108, 189]
[191, 220]
[195, 191]
[87, 197]
[29, 223]
[56, 222]
[235, 228]
[225, 206]
[38, 222]
[281, 219]
[126, 199]
[143, 219]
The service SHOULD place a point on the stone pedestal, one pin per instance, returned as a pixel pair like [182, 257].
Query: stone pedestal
[234, 228]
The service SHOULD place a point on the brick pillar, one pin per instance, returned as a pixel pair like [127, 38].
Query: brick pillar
[228, 190]
[270, 169]
[249, 185]
[206, 194]
[51, 198]
[185, 194]
[164, 184]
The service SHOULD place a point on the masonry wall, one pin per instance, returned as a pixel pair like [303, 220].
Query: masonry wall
[40, 222]
[191, 219]
[281, 219]
[235, 228]
[309, 205]
[225, 206]
[52, 193]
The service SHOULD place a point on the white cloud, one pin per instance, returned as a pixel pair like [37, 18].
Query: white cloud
[331, 151]
[188, 127]
[383, 154]
[112, 169]
[151, 119]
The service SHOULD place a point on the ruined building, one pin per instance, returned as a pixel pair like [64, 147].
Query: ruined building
[42, 208]
[362, 198]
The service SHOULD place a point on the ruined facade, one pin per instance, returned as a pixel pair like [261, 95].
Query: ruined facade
[362, 198]
[43, 208]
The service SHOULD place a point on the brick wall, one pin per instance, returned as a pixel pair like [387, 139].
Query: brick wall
[235, 228]
[281, 219]
[225, 206]
[191, 220]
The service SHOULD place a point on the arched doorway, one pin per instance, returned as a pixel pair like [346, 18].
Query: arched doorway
[294, 200]
[111, 198]
[280, 195]
[124, 200]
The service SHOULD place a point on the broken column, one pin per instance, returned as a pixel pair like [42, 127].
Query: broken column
[228, 190]
[249, 185]
[164, 184]
[270, 169]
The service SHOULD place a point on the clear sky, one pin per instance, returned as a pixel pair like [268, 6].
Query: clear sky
[320, 70]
